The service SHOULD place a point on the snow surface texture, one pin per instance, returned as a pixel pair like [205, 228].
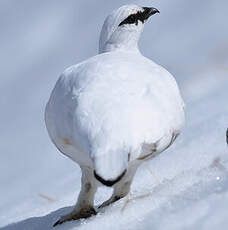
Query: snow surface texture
[186, 187]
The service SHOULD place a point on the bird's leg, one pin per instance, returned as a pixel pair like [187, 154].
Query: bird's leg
[85, 204]
[120, 191]
[122, 188]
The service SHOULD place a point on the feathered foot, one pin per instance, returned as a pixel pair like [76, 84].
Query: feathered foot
[76, 215]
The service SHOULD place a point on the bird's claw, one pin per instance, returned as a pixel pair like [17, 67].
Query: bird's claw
[57, 223]
[110, 201]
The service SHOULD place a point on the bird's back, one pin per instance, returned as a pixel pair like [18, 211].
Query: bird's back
[113, 102]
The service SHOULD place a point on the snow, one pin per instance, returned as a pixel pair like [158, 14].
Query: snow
[186, 187]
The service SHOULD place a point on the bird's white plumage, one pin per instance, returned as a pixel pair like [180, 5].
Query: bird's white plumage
[114, 104]
[112, 36]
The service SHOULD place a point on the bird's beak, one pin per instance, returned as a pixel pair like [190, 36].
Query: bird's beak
[149, 11]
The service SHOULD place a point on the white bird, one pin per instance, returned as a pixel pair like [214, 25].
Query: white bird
[114, 111]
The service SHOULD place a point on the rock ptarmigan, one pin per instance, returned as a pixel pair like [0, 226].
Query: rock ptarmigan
[113, 111]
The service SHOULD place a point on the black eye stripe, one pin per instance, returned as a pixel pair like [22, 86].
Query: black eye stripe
[140, 16]
[132, 19]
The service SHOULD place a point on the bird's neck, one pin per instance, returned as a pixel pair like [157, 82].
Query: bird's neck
[119, 42]
[119, 47]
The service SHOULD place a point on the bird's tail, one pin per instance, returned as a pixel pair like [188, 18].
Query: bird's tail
[110, 167]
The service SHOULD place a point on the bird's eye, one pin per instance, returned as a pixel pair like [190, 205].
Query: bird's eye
[132, 18]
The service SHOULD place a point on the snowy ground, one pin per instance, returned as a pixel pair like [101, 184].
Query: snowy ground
[184, 188]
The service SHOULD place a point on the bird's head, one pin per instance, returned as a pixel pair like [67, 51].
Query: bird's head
[123, 27]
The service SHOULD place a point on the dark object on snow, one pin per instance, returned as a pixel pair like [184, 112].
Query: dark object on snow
[227, 136]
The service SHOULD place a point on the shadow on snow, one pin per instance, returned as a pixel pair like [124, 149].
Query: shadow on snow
[44, 222]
